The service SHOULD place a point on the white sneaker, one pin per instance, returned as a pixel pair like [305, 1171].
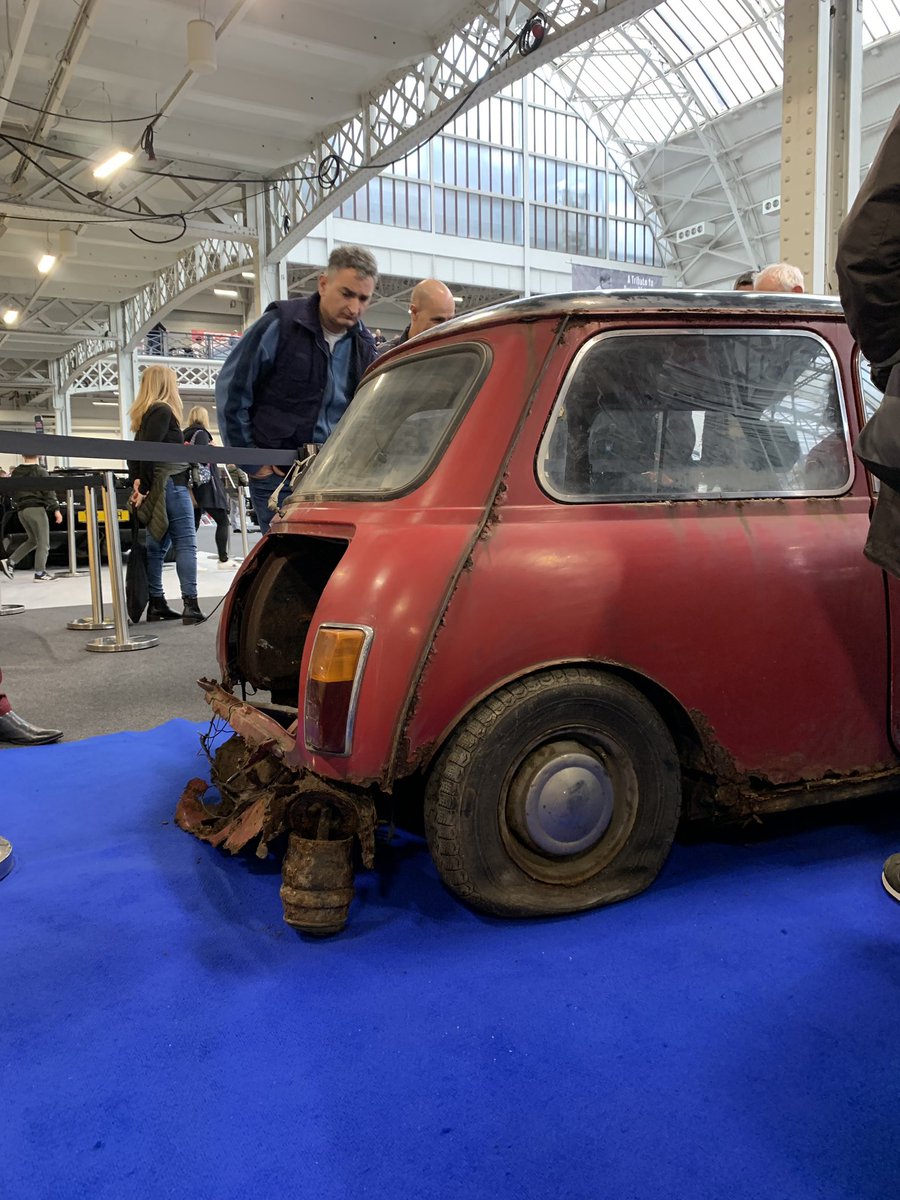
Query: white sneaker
[228, 565]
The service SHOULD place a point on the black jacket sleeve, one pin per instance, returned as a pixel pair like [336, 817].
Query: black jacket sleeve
[154, 428]
[868, 256]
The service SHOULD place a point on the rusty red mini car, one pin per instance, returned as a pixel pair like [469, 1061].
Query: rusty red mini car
[570, 568]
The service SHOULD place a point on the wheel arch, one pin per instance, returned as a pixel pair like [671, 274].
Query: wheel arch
[684, 731]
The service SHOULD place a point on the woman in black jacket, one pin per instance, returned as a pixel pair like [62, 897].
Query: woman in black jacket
[162, 495]
[209, 495]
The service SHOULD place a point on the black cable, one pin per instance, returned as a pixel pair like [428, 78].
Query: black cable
[49, 112]
[162, 241]
[527, 39]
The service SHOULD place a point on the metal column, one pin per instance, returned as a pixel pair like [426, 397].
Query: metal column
[820, 131]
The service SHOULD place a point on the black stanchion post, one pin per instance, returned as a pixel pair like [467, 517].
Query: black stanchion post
[242, 518]
[96, 620]
[121, 641]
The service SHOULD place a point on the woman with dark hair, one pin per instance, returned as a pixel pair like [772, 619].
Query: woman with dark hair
[209, 495]
[162, 495]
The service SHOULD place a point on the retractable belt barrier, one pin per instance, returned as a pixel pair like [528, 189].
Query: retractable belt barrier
[81, 447]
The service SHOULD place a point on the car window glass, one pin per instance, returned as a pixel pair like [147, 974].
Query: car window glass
[398, 423]
[656, 415]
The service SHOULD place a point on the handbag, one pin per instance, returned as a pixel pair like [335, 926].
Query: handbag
[137, 591]
[200, 472]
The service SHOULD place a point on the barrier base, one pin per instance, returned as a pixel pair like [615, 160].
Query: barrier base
[89, 624]
[6, 858]
[10, 610]
[109, 645]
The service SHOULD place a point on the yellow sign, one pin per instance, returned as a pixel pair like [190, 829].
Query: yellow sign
[101, 516]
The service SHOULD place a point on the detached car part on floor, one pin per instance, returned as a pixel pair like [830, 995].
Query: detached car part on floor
[569, 568]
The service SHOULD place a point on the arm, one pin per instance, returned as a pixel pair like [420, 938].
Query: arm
[247, 365]
[868, 256]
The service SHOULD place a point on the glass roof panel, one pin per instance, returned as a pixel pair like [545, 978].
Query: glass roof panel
[686, 61]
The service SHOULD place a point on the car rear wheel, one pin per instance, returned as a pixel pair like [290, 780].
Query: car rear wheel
[560, 792]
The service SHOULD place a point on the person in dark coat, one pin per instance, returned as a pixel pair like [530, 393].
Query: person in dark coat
[209, 495]
[868, 271]
[288, 381]
[161, 495]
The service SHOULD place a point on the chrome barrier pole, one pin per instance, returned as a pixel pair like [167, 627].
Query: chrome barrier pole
[121, 641]
[10, 610]
[96, 620]
[70, 532]
[7, 862]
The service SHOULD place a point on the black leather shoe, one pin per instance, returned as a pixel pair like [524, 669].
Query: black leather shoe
[19, 733]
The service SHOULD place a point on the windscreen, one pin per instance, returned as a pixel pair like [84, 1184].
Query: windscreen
[394, 432]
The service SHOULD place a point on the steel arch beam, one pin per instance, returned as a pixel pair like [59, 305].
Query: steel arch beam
[417, 102]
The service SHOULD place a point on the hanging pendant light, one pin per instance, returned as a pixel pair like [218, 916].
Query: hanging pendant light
[201, 47]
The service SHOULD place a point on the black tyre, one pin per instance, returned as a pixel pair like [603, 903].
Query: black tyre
[560, 792]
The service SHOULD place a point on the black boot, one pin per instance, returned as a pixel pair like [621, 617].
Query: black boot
[158, 610]
[192, 614]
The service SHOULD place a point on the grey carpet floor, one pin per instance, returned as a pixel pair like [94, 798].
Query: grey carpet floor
[53, 681]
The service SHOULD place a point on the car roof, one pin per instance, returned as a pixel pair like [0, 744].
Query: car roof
[650, 300]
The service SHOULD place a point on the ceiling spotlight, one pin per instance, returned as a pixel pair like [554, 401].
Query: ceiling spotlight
[201, 47]
[457, 299]
[10, 316]
[105, 403]
[46, 263]
[116, 160]
[231, 292]
[248, 274]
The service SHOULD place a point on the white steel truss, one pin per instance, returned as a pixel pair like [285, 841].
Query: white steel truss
[207, 261]
[468, 65]
[101, 376]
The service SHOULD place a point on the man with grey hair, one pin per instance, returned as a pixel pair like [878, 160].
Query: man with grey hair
[430, 304]
[289, 379]
[779, 277]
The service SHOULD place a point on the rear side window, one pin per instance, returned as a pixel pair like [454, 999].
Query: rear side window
[397, 426]
[665, 414]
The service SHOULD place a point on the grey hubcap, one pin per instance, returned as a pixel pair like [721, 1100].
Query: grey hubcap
[561, 800]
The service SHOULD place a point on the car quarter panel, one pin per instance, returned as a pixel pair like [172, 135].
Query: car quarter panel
[761, 617]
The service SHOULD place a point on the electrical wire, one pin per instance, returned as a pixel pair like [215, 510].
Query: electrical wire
[526, 40]
[49, 112]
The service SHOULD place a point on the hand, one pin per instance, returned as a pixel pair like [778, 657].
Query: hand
[263, 472]
[136, 499]
[57, 517]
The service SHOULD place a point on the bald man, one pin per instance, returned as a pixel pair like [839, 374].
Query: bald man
[779, 277]
[430, 304]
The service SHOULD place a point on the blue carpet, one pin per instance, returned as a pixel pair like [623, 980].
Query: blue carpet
[730, 1034]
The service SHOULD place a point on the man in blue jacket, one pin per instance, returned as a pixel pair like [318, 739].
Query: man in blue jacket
[289, 379]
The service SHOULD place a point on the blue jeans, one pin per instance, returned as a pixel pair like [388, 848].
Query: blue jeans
[180, 511]
[260, 491]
